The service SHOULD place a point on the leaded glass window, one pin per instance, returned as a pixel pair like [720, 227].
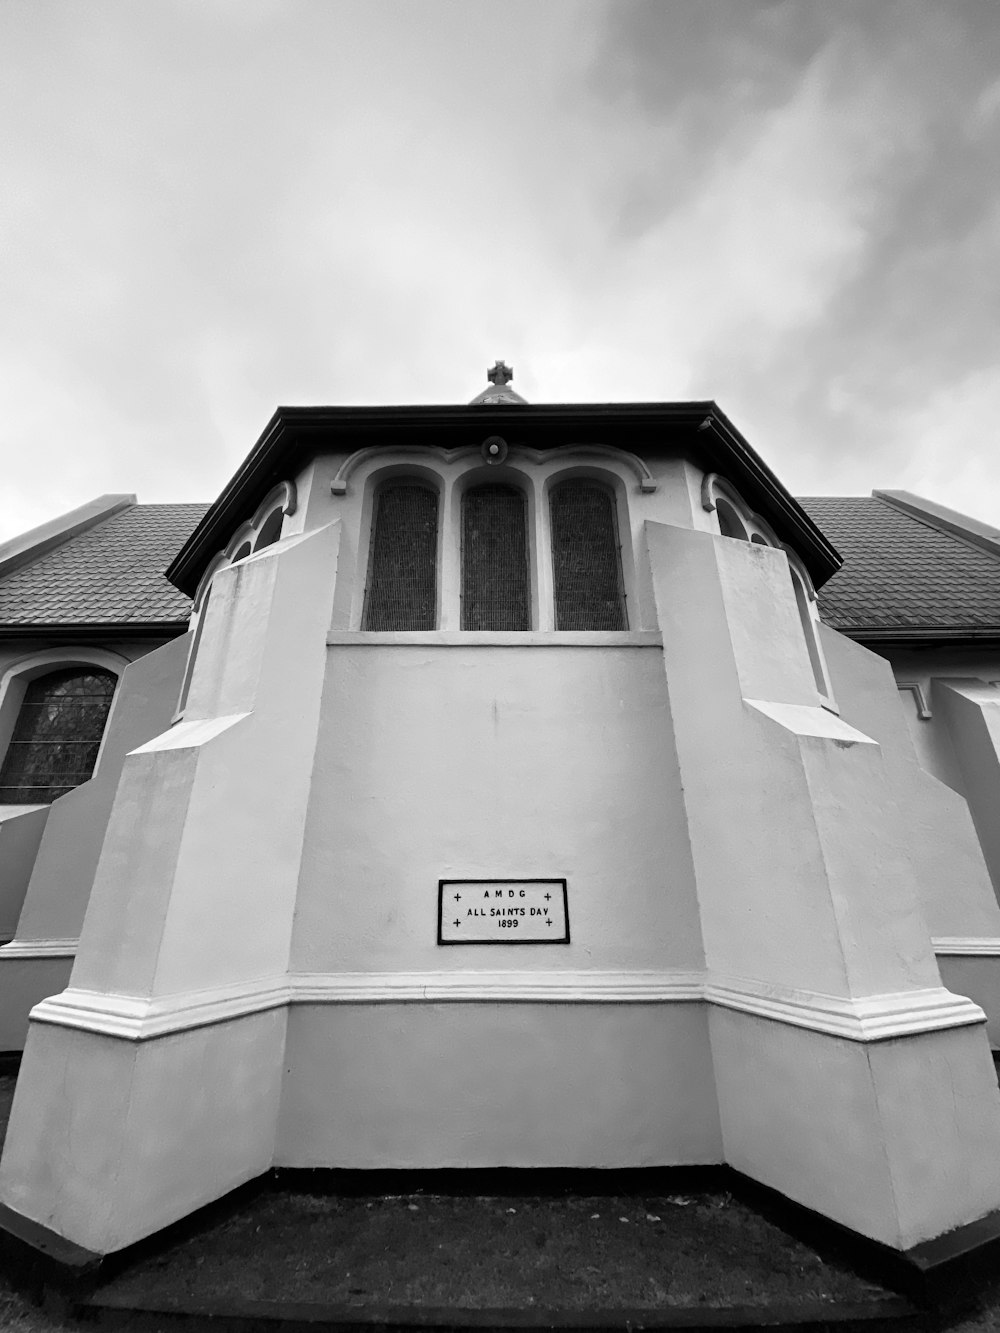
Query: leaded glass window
[494, 559]
[402, 571]
[586, 557]
[57, 735]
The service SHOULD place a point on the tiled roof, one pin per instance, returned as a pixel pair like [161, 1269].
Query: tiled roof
[899, 572]
[902, 573]
[110, 574]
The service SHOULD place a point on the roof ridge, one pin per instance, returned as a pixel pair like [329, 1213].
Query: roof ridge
[27, 548]
[942, 519]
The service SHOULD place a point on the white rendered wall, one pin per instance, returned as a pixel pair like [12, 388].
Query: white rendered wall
[449, 762]
[522, 1085]
[444, 761]
[808, 879]
[59, 872]
[894, 1139]
[154, 1042]
[742, 894]
[947, 861]
[144, 705]
[950, 700]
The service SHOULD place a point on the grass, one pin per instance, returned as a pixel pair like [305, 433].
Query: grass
[425, 1251]
[492, 1252]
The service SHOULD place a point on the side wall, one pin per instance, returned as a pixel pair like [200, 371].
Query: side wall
[38, 961]
[951, 705]
[21, 826]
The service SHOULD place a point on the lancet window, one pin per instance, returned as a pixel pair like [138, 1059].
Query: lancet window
[586, 557]
[402, 574]
[495, 593]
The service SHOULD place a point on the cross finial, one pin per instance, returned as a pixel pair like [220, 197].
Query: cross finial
[501, 373]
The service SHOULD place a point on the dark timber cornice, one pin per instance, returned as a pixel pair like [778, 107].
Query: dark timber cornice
[696, 430]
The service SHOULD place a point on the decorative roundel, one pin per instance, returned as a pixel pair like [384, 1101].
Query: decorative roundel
[494, 449]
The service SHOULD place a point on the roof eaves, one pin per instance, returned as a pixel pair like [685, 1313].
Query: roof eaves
[822, 558]
[926, 635]
[94, 629]
[699, 426]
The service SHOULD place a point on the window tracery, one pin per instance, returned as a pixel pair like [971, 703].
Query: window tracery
[586, 556]
[495, 558]
[401, 592]
[57, 735]
[495, 593]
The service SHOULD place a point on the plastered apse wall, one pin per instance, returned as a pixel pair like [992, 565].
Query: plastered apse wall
[492, 763]
[439, 762]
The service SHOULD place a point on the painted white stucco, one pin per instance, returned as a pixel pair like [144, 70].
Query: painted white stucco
[750, 975]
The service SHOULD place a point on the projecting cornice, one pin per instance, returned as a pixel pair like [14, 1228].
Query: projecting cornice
[697, 430]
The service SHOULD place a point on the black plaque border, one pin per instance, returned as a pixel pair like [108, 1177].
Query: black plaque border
[522, 943]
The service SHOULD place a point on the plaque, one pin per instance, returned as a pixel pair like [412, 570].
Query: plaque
[502, 911]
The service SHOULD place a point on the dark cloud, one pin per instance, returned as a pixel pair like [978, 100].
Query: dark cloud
[212, 206]
[916, 308]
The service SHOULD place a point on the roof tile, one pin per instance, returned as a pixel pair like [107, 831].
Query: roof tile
[110, 574]
[901, 572]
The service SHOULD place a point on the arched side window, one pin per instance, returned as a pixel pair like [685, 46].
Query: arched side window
[192, 656]
[495, 594]
[270, 530]
[586, 557]
[730, 523]
[57, 735]
[402, 571]
[811, 635]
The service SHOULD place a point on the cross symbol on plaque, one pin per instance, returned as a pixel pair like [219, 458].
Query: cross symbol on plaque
[548, 896]
[548, 921]
[501, 373]
[458, 897]
[456, 922]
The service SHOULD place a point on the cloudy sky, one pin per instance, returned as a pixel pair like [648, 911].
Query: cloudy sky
[210, 207]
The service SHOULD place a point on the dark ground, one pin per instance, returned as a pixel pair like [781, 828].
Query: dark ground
[498, 1253]
[368, 1256]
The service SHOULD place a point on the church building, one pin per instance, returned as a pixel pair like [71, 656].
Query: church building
[501, 785]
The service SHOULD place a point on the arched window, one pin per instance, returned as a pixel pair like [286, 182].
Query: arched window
[730, 524]
[809, 630]
[192, 656]
[402, 570]
[270, 530]
[54, 744]
[586, 557]
[494, 559]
